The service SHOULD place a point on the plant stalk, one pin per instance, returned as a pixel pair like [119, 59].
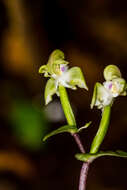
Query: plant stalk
[79, 143]
[69, 115]
[103, 127]
[66, 106]
[83, 175]
[71, 121]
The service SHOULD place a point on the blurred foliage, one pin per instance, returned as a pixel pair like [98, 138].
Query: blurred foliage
[92, 33]
[29, 124]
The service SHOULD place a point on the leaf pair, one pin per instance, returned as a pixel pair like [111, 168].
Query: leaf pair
[66, 128]
[89, 157]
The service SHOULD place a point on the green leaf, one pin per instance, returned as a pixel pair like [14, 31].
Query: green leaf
[76, 78]
[28, 123]
[50, 90]
[111, 72]
[90, 157]
[84, 127]
[63, 129]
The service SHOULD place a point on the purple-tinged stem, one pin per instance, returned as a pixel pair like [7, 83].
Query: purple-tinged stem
[71, 121]
[83, 176]
[85, 166]
[79, 143]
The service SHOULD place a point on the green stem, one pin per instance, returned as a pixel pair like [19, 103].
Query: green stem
[66, 106]
[70, 115]
[102, 130]
[71, 121]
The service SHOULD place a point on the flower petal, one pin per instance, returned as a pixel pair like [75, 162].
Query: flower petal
[111, 72]
[55, 60]
[121, 84]
[56, 55]
[75, 78]
[116, 86]
[50, 90]
[101, 96]
[44, 69]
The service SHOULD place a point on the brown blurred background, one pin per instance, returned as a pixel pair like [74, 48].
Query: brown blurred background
[93, 34]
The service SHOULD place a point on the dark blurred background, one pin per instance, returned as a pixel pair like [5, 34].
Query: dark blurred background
[92, 34]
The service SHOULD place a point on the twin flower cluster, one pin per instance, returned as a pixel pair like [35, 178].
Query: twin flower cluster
[59, 73]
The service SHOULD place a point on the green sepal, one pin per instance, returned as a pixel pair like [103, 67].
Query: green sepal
[56, 55]
[101, 97]
[76, 78]
[50, 90]
[94, 97]
[98, 93]
[44, 69]
[84, 127]
[63, 129]
[124, 93]
[89, 157]
[55, 60]
[111, 72]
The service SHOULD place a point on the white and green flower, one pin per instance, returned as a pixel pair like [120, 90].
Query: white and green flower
[101, 96]
[113, 87]
[60, 74]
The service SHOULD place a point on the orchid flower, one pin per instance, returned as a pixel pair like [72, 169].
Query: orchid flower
[114, 86]
[103, 97]
[59, 73]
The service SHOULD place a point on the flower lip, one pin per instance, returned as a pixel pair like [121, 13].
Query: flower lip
[62, 68]
[116, 86]
[110, 86]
